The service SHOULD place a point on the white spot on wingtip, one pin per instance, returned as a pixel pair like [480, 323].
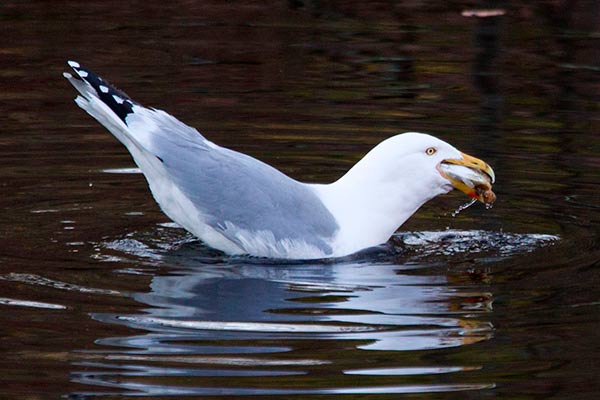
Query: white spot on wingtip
[67, 75]
[103, 89]
[82, 74]
[118, 99]
[73, 64]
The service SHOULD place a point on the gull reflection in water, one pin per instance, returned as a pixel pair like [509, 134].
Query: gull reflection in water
[251, 318]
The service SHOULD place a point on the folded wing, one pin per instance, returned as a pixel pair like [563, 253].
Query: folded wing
[212, 191]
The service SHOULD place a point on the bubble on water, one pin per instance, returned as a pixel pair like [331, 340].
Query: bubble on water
[456, 242]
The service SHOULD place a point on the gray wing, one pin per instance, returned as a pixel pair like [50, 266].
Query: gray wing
[229, 187]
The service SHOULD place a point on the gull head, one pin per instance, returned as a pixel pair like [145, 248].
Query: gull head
[392, 181]
[431, 166]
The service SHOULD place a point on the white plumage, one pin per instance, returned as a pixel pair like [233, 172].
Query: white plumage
[241, 205]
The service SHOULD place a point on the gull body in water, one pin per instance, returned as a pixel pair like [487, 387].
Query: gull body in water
[240, 205]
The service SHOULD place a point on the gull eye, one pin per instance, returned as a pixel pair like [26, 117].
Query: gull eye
[431, 151]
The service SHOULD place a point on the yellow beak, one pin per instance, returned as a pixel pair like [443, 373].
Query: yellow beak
[476, 180]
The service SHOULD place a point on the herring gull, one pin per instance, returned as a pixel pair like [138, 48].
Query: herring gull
[240, 205]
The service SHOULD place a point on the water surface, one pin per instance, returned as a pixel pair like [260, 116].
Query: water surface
[102, 296]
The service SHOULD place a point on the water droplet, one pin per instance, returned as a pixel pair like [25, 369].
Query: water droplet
[489, 206]
[463, 207]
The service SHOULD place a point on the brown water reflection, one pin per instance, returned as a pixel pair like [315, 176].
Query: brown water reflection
[98, 295]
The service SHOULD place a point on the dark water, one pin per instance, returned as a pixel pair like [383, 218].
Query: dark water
[101, 295]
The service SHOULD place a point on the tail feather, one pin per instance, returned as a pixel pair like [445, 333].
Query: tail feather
[115, 99]
[106, 104]
[113, 108]
[142, 130]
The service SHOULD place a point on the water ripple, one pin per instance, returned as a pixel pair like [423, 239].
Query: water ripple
[27, 303]
[253, 322]
[245, 326]
[33, 279]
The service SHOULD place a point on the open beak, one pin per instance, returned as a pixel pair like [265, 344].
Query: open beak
[470, 175]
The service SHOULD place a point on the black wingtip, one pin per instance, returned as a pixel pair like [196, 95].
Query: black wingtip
[118, 101]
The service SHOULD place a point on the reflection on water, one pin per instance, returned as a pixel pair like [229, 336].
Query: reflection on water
[239, 319]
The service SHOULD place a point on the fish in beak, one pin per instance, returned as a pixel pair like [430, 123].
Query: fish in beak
[470, 175]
